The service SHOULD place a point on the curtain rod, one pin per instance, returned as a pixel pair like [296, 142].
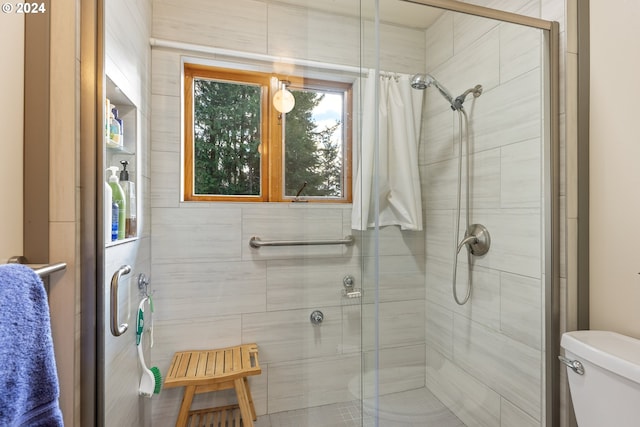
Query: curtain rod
[191, 47]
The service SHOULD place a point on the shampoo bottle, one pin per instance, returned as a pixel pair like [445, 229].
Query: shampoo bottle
[120, 125]
[114, 221]
[129, 188]
[118, 199]
[108, 214]
[114, 134]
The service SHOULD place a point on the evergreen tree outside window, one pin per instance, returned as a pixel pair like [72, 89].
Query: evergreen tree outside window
[239, 148]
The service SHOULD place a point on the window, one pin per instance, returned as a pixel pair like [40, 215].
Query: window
[238, 147]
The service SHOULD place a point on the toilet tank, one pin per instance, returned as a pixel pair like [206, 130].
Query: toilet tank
[608, 393]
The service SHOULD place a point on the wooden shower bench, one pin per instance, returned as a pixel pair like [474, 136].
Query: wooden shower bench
[204, 371]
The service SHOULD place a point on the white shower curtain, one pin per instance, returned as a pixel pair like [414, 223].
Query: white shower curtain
[399, 111]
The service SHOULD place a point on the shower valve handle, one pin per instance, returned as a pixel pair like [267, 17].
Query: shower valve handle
[477, 239]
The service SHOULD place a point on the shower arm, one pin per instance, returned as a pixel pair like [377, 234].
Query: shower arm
[476, 91]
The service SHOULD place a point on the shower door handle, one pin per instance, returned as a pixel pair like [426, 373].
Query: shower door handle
[117, 329]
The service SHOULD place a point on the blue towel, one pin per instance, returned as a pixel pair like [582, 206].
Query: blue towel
[28, 378]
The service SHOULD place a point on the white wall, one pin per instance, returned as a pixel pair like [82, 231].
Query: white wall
[11, 123]
[614, 170]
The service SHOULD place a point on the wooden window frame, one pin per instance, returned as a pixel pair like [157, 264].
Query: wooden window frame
[271, 146]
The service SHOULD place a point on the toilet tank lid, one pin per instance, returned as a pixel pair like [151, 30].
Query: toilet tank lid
[611, 351]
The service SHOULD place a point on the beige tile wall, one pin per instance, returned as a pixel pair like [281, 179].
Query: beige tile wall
[213, 290]
[484, 360]
[165, 131]
[64, 295]
[262, 302]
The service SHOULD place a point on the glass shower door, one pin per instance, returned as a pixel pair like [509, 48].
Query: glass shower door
[429, 360]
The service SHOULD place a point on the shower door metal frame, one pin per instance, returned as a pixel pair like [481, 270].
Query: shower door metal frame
[92, 242]
[551, 163]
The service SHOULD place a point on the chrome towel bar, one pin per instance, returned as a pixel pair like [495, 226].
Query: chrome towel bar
[256, 242]
[46, 270]
[42, 270]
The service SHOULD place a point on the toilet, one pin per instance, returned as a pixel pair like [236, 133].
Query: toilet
[604, 377]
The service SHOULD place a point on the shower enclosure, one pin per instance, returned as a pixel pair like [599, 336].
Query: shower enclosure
[362, 334]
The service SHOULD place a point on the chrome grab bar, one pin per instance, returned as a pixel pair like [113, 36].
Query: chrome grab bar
[256, 243]
[117, 330]
[575, 365]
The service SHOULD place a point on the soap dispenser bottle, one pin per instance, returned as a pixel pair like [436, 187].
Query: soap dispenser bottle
[129, 188]
[118, 198]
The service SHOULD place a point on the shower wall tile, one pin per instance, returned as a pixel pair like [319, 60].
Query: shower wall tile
[351, 326]
[196, 235]
[190, 290]
[515, 241]
[486, 183]
[313, 382]
[165, 179]
[400, 369]
[289, 222]
[204, 333]
[485, 301]
[521, 175]
[521, 315]
[259, 389]
[437, 134]
[554, 10]
[439, 329]
[289, 335]
[511, 415]
[192, 21]
[439, 41]
[402, 50]
[439, 231]
[293, 284]
[509, 113]
[469, 28]
[508, 367]
[439, 183]
[166, 123]
[165, 73]
[471, 400]
[401, 323]
[303, 33]
[400, 278]
[391, 242]
[520, 50]
[477, 63]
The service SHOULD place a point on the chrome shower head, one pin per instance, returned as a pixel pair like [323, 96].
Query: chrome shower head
[423, 81]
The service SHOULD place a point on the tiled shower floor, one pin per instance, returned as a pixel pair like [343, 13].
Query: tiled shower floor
[414, 408]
